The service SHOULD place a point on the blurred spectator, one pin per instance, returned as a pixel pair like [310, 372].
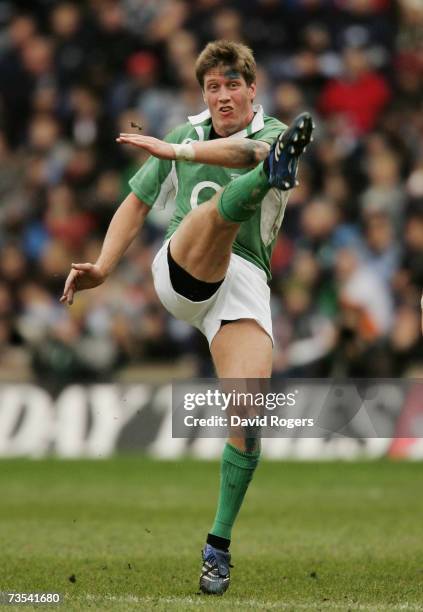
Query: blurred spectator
[64, 220]
[289, 101]
[358, 95]
[364, 297]
[227, 24]
[385, 192]
[308, 336]
[410, 276]
[15, 83]
[72, 42]
[405, 340]
[366, 315]
[383, 253]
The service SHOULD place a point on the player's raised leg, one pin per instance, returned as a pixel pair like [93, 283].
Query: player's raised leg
[240, 350]
[202, 243]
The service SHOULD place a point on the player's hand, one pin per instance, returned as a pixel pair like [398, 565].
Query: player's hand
[82, 276]
[158, 148]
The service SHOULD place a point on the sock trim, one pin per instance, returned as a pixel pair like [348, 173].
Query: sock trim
[218, 542]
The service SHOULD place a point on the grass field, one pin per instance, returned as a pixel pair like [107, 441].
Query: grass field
[128, 531]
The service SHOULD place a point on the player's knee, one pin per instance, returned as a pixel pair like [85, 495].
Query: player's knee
[207, 215]
[250, 443]
[216, 216]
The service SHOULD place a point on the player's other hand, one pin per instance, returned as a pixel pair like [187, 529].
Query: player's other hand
[154, 146]
[82, 276]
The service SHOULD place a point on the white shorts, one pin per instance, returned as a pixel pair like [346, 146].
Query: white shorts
[244, 294]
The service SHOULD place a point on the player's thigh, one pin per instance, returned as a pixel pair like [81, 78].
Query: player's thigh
[242, 349]
[202, 243]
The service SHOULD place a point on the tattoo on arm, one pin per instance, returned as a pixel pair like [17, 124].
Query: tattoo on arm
[252, 152]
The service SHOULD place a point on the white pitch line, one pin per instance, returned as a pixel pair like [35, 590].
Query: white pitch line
[252, 603]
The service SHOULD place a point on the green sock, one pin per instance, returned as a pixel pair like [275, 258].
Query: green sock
[237, 470]
[241, 197]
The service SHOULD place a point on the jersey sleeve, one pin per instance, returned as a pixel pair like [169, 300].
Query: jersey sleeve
[153, 183]
[272, 128]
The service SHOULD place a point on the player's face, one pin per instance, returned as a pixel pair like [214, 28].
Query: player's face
[229, 99]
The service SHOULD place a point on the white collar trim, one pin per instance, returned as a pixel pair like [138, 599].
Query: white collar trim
[256, 124]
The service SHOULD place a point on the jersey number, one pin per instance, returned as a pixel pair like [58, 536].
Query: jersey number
[199, 187]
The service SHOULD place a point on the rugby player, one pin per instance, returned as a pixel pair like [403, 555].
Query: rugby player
[229, 170]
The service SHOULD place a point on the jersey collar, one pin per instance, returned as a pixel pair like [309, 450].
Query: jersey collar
[256, 124]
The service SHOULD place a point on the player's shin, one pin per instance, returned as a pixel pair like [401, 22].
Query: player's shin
[241, 197]
[237, 469]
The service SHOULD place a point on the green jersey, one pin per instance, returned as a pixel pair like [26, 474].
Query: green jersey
[191, 184]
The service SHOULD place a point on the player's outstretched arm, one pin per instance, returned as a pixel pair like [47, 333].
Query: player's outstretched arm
[226, 152]
[124, 226]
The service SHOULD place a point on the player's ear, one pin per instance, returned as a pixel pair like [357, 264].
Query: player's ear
[253, 91]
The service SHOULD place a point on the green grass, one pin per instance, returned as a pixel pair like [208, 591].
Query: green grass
[311, 536]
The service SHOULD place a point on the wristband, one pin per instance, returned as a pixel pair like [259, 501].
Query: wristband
[184, 152]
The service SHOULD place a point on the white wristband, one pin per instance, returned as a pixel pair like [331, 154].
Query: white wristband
[184, 152]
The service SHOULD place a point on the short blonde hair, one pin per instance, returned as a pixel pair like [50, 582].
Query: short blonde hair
[226, 53]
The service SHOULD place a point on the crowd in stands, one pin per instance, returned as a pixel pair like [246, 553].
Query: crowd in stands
[348, 263]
